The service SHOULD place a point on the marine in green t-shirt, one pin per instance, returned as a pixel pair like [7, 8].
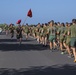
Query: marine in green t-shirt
[61, 31]
[72, 32]
[26, 29]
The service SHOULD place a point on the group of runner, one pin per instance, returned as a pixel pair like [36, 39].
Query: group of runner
[58, 36]
[11, 29]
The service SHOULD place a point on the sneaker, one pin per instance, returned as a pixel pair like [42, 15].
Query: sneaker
[72, 55]
[65, 52]
[62, 53]
[54, 48]
[45, 45]
[51, 50]
[69, 56]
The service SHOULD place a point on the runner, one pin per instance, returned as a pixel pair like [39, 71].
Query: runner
[6, 29]
[19, 33]
[44, 35]
[38, 32]
[11, 28]
[52, 35]
[72, 32]
[61, 39]
[68, 38]
[58, 35]
[26, 30]
[33, 32]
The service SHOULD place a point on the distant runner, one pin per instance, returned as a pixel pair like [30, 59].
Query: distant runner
[11, 28]
[19, 33]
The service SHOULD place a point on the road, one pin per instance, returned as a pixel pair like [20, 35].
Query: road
[31, 58]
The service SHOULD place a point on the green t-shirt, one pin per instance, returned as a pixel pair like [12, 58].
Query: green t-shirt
[37, 31]
[33, 29]
[52, 30]
[45, 31]
[73, 30]
[11, 29]
[6, 27]
[61, 30]
[58, 27]
[26, 29]
[66, 32]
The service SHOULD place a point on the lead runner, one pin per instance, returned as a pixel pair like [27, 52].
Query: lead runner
[19, 30]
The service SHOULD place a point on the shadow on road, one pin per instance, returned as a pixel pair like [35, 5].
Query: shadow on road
[13, 40]
[42, 70]
[22, 47]
[17, 47]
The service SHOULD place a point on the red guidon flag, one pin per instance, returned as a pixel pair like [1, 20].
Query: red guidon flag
[29, 14]
[18, 22]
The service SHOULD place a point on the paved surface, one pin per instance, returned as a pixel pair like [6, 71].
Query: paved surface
[31, 58]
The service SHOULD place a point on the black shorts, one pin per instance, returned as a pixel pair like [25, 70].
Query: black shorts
[18, 36]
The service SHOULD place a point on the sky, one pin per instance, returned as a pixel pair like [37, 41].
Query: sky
[43, 11]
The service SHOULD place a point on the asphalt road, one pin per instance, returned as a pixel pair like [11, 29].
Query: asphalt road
[31, 58]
